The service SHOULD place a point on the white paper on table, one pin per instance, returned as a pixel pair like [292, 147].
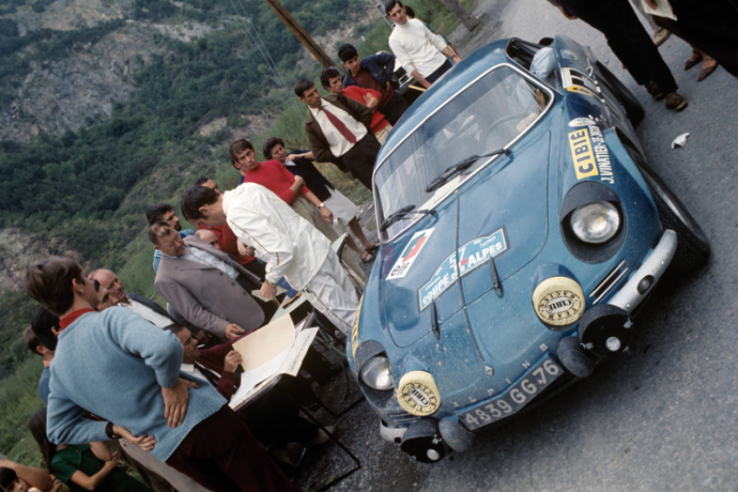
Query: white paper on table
[663, 9]
[287, 362]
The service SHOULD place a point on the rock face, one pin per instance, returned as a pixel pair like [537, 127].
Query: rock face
[17, 250]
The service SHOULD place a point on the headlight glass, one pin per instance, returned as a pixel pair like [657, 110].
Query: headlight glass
[376, 373]
[595, 223]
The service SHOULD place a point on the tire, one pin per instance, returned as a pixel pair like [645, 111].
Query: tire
[693, 248]
[633, 108]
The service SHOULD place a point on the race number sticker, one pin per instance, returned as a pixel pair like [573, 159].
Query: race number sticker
[582, 155]
[410, 254]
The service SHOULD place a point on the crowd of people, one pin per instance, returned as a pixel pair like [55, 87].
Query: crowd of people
[126, 378]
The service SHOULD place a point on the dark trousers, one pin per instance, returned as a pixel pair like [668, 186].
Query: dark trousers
[709, 25]
[221, 454]
[627, 38]
[394, 108]
[439, 71]
[360, 159]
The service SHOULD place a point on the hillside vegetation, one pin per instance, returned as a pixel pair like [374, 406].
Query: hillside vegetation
[172, 84]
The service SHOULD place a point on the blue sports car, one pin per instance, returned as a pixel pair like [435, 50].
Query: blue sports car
[521, 231]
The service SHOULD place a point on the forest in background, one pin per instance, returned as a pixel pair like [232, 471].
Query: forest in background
[86, 191]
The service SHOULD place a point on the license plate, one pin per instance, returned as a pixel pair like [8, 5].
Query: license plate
[522, 393]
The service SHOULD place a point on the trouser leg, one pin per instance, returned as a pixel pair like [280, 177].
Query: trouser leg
[331, 292]
[360, 159]
[394, 108]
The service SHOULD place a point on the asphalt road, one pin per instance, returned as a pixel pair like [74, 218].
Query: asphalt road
[663, 418]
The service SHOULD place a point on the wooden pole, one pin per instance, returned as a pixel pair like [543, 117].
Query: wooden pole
[301, 34]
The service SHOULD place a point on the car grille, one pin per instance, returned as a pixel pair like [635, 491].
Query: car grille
[617, 273]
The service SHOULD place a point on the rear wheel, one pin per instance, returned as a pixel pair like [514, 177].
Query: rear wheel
[693, 248]
[627, 99]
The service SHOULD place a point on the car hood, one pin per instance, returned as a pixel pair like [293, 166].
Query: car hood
[501, 212]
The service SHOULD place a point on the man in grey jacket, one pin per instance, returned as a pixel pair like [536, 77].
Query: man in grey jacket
[204, 285]
[338, 130]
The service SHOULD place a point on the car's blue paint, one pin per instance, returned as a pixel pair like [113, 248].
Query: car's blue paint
[520, 194]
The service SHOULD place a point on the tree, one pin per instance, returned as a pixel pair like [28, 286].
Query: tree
[466, 17]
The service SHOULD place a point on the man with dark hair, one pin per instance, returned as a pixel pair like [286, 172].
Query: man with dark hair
[113, 364]
[338, 130]
[330, 79]
[419, 51]
[289, 245]
[630, 42]
[375, 72]
[205, 181]
[136, 302]
[299, 163]
[209, 289]
[42, 321]
[163, 212]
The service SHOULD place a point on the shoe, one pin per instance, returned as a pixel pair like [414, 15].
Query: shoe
[370, 257]
[661, 36]
[693, 60]
[707, 71]
[373, 248]
[655, 91]
[321, 437]
[675, 101]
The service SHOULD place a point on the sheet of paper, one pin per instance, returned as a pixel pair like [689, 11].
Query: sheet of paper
[266, 343]
[663, 9]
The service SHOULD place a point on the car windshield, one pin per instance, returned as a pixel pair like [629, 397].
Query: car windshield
[486, 116]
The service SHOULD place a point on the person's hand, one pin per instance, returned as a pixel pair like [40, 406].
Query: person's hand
[292, 157]
[232, 360]
[233, 331]
[243, 249]
[456, 58]
[566, 13]
[327, 215]
[143, 441]
[425, 83]
[113, 463]
[176, 399]
[651, 3]
[389, 85]
[299, 180]
[56, 484]
[268, 290]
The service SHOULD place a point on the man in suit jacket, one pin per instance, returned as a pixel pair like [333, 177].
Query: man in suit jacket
[134, 301]
[338, 130]
[208, 288]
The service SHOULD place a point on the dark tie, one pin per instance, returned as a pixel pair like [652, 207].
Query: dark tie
[339, 126]
[207, 374]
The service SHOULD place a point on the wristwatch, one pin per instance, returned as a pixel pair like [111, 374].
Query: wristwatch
[321, 205]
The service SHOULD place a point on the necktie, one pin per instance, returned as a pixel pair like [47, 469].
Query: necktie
[208, 375]
[339, 126]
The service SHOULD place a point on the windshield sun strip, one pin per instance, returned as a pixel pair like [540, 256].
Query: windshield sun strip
[545, 110]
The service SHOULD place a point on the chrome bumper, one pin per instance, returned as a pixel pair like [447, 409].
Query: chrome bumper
[629, 297]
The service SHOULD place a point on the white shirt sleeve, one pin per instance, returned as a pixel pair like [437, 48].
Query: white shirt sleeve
[395, 44]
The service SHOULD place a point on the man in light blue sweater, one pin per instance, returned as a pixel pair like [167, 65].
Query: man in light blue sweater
[114, 365]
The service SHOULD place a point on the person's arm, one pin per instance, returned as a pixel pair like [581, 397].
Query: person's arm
[189, 307]
[372, 98]
[93, 482]
[101, 451]
[359, 111]
[325, 212]
[307, 155]
[319, 146]
[387, 61]
[35, 477]
[252, 226]
[298, 184]
[451, 54]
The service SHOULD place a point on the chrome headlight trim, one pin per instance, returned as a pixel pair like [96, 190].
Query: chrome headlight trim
[377, 373]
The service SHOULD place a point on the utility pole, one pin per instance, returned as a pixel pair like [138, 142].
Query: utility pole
[300, 34]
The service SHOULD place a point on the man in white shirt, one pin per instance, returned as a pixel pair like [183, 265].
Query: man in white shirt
[289, 245]
[418, 50]
[338, 131]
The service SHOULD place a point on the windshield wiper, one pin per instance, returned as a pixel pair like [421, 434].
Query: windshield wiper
[452, 171]
[404, 211]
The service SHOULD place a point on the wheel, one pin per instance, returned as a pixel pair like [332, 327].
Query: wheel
[632, 107]
[693, 249]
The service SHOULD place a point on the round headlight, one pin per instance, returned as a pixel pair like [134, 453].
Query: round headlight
[376, 373]
[595, 223]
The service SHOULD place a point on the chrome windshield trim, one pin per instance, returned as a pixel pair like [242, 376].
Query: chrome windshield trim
[443, 198]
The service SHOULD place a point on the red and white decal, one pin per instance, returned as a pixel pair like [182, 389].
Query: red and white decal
[410, 254]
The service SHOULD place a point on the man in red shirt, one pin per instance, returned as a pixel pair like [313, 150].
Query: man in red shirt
[330, 78]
